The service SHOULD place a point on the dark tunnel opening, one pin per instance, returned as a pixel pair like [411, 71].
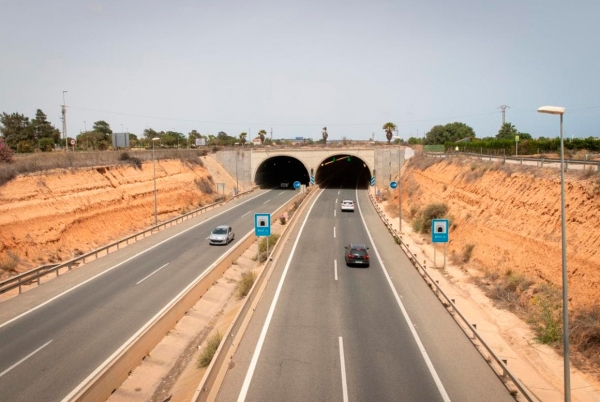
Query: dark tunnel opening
[279, 169]
[343, 171]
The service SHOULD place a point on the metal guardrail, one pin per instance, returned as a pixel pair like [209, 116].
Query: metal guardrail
[540, 162]
[470, 330]
[35, 275]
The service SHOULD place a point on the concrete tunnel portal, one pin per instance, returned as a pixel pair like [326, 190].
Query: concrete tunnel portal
[339, 171]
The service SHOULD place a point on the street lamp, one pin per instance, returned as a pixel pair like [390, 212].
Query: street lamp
[567, 375]
[154, 177]
[399, 186]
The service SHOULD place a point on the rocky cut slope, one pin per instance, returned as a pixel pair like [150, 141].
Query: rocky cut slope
[53, 215]
[509, 215]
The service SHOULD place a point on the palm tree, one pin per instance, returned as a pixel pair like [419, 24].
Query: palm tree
[243, 138]
[389, 128]
[324, 134]
[261, 135]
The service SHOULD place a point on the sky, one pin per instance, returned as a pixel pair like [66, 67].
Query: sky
[294, 67]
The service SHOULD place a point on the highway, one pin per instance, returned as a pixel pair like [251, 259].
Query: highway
[327, 332]
[54, 336]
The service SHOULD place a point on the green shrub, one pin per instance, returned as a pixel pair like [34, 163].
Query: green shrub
[418, 225]
[545, 315]
[46, 144]
[262, 246]
[209, 350]
[245, 284]
[431, 212]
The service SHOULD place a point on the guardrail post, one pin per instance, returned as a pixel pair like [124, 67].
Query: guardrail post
[504, 368]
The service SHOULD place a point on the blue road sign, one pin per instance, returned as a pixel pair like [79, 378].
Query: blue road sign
[393, 184]
[312, 180]
[439, 231]
[262, 224]
[296, 184]
[373, 181]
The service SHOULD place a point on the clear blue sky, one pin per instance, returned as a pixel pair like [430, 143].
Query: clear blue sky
[296, 66]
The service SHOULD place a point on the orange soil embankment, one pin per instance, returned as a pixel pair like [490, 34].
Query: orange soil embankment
[511, 214]
[52, 216]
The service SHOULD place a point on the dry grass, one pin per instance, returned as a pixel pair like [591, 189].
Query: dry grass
[35, 162]
[212, 344]
[245, 284]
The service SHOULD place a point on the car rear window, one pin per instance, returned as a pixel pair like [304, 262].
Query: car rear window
[220, 231]
[358, 251]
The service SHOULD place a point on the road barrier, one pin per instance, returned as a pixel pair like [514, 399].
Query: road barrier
[497, 364]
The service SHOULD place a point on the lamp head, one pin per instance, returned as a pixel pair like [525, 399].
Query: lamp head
[552, 110]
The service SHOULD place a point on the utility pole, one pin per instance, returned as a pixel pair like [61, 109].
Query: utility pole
[64, 122]
[271, 134]
[503, 107]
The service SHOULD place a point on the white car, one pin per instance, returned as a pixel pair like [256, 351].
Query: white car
[347, 205]
[221, 235]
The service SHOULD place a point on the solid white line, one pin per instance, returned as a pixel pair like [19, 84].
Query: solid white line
[152, 274]
[335, 268]
[343, 365]
[266, 201]
[263, 333]
[334, 232]
[119, 264]
[411, 326]
[25, 358]
[243, 215]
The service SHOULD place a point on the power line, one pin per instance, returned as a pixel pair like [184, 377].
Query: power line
[283, 125]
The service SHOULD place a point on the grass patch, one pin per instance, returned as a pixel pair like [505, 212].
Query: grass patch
[204, 185]
[9, 263]
[467, 252]
[262, 246]
[245, 284]
[212, 344]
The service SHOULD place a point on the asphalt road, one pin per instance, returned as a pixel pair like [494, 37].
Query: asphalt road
[48, 348]
[327, 332]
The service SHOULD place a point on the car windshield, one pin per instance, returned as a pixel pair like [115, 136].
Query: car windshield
[220, 231]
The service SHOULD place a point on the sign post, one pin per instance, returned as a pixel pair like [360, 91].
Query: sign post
[439, 234]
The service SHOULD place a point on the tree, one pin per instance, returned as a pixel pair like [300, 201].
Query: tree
[17, 131]
[102, 127]
[389, 128]
[42, 129]
[6, 153]
[243, 138]
[450, 132]
[324, 135]
[507, 132]
[150, 133]
[261, 135]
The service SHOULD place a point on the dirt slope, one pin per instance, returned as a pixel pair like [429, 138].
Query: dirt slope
[511, 214]
[51, 216]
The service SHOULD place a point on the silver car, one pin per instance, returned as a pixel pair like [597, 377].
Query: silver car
[222, 234]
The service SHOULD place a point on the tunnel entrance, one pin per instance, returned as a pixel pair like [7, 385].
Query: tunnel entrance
[278, 170]
[343, 171]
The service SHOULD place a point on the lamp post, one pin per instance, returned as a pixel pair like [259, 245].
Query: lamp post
[567, 375]
[399, 187]
[154, 178]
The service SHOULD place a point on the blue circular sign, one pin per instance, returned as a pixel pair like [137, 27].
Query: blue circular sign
[393, 184]
[296, 184]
